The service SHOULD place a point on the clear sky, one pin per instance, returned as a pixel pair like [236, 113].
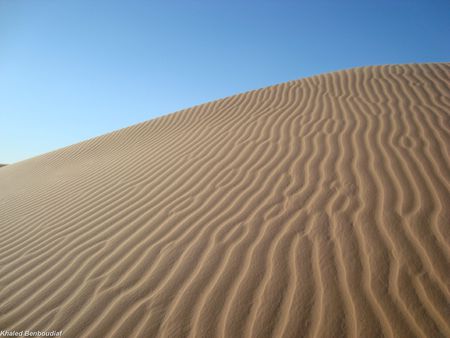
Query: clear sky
[74, 69]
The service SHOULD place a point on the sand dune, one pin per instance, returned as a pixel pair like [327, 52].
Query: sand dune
[315, 208]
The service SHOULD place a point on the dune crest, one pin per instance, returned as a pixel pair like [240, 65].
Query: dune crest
[313, 208]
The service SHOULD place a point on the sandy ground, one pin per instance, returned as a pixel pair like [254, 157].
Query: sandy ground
[315, 208]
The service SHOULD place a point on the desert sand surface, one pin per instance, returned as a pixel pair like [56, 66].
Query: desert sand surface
[315, 208]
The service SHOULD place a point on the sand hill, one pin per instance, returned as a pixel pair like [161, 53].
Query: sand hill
[314, 208]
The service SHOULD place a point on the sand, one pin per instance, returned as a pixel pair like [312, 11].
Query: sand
[314, 208]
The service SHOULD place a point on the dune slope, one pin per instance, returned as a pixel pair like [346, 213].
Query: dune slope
[315, 208]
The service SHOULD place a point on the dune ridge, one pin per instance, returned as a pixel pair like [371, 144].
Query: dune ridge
[314, 208]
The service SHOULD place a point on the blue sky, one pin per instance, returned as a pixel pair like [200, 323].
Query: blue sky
[74, 69]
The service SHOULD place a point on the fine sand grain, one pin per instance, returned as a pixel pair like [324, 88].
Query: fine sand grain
[314, 208]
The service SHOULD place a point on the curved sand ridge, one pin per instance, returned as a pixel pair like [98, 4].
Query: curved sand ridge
[317, 207]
